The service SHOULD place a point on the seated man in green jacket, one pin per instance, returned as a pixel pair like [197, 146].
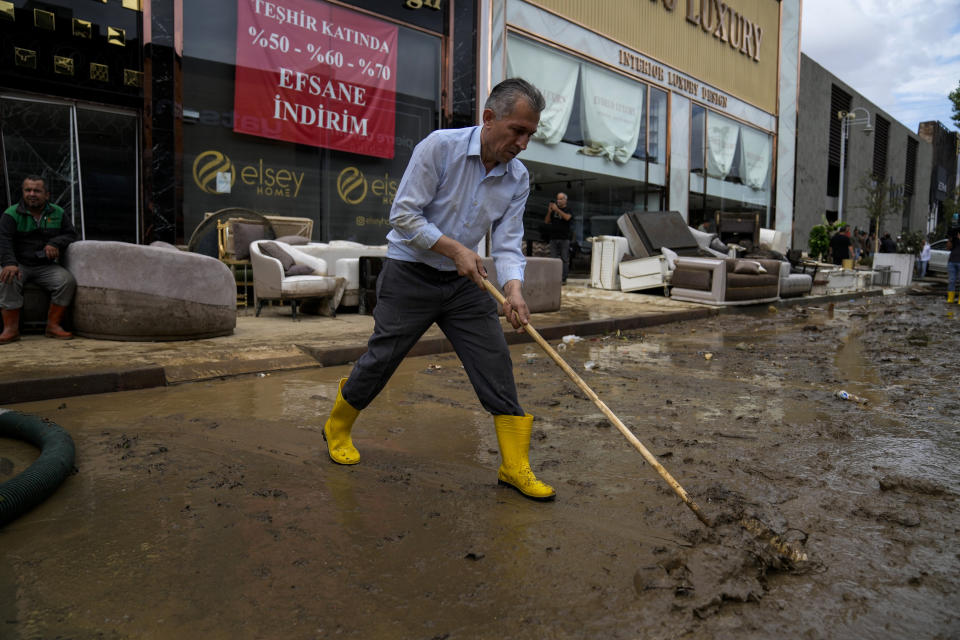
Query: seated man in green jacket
[33, 236]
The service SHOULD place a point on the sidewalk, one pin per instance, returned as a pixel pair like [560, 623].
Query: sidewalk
[39, 368]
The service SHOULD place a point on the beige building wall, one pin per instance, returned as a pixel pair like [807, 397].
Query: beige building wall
[672, 31]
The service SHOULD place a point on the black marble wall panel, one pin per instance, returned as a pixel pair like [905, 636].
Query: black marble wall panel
[464, 90]
[163, 120]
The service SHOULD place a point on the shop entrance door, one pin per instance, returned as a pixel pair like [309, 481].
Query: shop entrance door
[88, 155]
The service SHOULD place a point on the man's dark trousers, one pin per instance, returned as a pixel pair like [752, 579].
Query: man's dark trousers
[411, 296]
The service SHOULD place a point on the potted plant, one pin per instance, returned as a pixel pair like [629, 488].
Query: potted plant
[820, 239]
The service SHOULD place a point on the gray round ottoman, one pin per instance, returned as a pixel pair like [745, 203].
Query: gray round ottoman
[145, 293]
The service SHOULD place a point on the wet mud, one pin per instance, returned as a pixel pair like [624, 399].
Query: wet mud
[212, 511]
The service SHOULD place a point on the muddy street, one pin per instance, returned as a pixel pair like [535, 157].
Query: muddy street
[211, 510]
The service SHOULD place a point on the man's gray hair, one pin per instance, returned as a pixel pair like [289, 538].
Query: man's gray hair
[505, 95]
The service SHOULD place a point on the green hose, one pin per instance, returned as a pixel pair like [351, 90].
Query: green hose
[38, 481]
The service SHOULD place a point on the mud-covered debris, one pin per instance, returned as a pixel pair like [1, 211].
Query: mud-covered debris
[913, 485]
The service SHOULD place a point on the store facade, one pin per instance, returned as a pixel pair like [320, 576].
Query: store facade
[147, 115]
[687, 106]
[71, 98]
[311, 108]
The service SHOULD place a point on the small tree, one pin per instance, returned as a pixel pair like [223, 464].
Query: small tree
[947, 208]
[880, 199]
[911, 242]
[955, 99]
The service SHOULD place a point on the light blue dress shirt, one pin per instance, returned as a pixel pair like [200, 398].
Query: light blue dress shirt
[447, 191]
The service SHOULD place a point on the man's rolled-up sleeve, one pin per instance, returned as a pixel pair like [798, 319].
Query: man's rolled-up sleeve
[417, 189]
[506, 239]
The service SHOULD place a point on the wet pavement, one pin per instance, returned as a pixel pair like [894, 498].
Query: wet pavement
[211, 510]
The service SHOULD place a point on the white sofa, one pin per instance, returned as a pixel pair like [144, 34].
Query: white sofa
[342, 259]
[271, 283]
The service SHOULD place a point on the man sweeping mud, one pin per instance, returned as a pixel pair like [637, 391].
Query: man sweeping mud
[459, 184]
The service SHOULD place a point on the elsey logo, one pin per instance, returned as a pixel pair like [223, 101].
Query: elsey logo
[206, 167]
[352, 186]
[266, 180]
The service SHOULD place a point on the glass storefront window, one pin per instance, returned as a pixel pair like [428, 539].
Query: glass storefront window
[603, 144]
[652, 145]
[730, 167]
[347, 194]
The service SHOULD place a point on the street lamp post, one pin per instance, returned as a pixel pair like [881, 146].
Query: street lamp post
[847, 120]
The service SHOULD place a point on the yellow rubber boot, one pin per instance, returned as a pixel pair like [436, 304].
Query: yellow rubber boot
[513, 434]
[950, 295]
[337, 430]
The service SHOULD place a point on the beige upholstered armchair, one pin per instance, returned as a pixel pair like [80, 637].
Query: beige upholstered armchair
[281, 272]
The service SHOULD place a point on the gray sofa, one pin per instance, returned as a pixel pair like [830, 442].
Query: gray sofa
[144, 293]
[541, 282]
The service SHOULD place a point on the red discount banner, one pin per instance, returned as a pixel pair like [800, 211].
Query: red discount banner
[312, 73]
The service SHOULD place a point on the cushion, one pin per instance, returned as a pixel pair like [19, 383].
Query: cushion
[243, 235]
[718, 245]
[160, 244]
[671, 256]
[699, 279]
[293, 240]
[274, 250]
[298, 270]
[702, 237]
[317, 265]
[744, 280]
[748, 267]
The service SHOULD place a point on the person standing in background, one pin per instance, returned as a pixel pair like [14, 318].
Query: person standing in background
[924, 258]
[559, 217]
[953, 265]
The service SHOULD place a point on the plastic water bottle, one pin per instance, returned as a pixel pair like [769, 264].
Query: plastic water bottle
[845, 395]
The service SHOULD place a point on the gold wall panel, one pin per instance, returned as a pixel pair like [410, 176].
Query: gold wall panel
[63, 65]
[82, 28]
[44, 20]
[7, 11]
[648, 27]
[99, 72]
[117, 36]
[25, 58]
[132, 78]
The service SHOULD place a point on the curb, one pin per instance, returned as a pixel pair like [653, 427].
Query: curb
[82, 384]
[66, 386]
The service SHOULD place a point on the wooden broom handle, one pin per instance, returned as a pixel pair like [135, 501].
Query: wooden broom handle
[649, 457]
